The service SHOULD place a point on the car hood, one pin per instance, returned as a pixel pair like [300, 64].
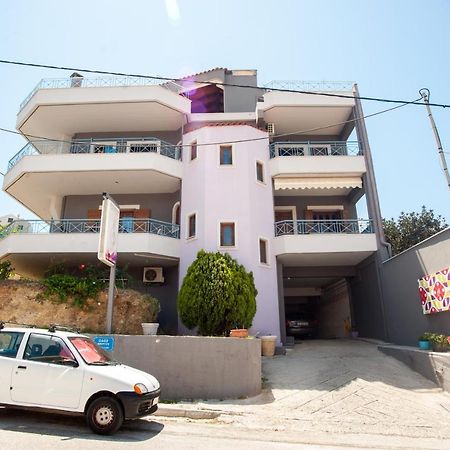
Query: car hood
[126, 375]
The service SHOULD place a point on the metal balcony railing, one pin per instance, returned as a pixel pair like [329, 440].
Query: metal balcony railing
[315, 148]
[111, 81]
[352, 226]
[126, 225]
[98, 146]
[310, 86]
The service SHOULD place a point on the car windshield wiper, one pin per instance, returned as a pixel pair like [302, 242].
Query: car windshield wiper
[104, 363]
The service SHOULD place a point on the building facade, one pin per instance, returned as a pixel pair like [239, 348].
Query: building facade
[214, 162]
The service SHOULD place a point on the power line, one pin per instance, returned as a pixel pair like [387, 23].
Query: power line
[160, 78]
[6, 130]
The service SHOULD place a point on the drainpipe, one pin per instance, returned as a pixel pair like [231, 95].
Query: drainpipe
[373, 203]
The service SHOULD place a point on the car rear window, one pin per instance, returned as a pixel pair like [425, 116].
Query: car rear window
[10, 343]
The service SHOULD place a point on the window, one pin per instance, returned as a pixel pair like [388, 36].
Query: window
[48, 349]
[260, 171]
[226, 155]
[194, 150]
[10, 220]
[227, 234]
[263, 251]
[191, 225]
[10, 343]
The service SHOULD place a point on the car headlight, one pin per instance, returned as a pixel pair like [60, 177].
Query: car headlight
[140, 388]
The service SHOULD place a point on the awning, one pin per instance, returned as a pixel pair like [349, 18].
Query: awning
[317, 183]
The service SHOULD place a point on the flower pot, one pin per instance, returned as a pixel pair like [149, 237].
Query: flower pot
[440, 347]
[239, 332]
[268, 345]
[424, 345]
[150, 328]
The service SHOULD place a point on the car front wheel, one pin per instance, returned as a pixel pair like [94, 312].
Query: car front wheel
[104, 415]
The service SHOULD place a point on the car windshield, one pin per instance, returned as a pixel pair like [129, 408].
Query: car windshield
[91, 352]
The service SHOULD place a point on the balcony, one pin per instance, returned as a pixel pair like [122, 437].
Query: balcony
[326, 167]
[126, 225]
[61, 108]
[42, 173]
[34, 245]
[324, 242]
[300, 113]
[98, 146]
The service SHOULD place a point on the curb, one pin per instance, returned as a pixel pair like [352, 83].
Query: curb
[189, 413]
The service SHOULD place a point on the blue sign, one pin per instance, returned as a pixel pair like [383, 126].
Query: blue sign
[105, 342]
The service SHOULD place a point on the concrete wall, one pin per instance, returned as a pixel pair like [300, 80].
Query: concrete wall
[366, 300]
[166, 294]
[191, 367]
[434, 366]
[161, 205]
[333, 310]
[301, 202]
[405, 319]
[240, 99]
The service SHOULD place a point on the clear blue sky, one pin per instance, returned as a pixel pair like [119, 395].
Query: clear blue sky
[390, 48]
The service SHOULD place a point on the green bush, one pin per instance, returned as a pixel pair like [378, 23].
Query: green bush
[65, 286]
[217, 294]
[6, 270]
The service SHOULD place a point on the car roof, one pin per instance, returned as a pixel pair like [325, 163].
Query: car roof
[42, 331]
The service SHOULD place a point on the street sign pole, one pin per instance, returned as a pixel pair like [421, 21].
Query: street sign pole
[107, 249]
[110, 306]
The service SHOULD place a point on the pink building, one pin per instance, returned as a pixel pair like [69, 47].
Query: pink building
[213, 162]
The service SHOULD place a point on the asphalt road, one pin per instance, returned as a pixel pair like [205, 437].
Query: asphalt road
[29, 430]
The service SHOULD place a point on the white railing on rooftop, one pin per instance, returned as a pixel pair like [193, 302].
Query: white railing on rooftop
[310, 86]
[111, 81]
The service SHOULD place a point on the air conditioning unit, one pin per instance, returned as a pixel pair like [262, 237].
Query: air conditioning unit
[270, 127]
[153, 275]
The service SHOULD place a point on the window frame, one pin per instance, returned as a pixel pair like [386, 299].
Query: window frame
[263, 172]
[222, 146]
[266, 242]
[188, 226]
[191, 152]
[221, 224]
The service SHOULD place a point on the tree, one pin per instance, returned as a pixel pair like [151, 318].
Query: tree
[217, 294]
[412, 228]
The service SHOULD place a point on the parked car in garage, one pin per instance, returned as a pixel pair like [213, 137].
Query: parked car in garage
[301, 323]
[56, 370]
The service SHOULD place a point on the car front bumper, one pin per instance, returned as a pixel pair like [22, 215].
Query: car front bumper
[136, 405]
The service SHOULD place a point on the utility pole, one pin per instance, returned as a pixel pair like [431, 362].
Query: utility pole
[425, 93]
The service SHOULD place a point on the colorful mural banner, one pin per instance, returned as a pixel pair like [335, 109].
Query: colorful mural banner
[434, 291]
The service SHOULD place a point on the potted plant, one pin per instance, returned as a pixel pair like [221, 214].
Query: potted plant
[424, 341]
[239, 332]
[440, 342]
[151, 326]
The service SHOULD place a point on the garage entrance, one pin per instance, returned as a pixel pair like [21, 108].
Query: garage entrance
[316, 307]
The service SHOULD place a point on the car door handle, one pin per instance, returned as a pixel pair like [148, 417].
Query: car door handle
[22, 367]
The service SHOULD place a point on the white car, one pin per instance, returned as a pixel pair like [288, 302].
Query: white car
[54, 370]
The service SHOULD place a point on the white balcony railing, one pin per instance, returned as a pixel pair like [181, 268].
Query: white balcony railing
[98, 146]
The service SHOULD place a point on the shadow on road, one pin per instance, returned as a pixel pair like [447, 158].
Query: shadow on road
[71, 427]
